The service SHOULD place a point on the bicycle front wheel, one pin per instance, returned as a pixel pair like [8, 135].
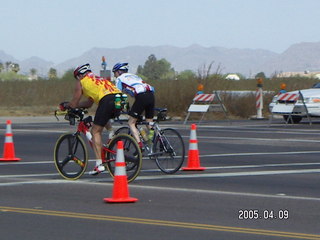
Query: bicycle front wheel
[169, 150]
[132, 156]
[70, 156]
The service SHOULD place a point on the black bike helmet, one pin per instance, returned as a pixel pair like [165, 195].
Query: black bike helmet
[81, 70]
[120, 66]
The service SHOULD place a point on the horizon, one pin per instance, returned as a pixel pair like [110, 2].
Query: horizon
[146, 46]
[226, 61]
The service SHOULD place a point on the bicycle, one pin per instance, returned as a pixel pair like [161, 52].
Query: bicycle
[71, 154]
[166, 147]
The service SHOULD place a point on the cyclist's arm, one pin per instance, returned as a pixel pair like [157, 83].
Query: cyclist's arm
[86, 103]
[118, 84]
[74, 103]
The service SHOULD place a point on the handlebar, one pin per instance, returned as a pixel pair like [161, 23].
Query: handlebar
[71, 114]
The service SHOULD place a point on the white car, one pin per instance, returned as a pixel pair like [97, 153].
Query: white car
[311, 102]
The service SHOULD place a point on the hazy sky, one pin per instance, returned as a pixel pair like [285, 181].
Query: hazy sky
[57, 30]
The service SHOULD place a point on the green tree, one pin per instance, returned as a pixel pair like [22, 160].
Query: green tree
[52, 74]
[33, 71]
[187, 75]
[260, 75]
[68, 75]
[15, 67]
[33, 74]
[154, 69]
[1, 67]
[8, 66]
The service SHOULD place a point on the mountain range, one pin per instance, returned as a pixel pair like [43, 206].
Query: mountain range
[248, 62]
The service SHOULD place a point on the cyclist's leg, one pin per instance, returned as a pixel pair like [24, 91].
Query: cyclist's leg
[135, 111]
[96, 132]
[134, 131]
[110, 129]
[103, 114]
[149, 111]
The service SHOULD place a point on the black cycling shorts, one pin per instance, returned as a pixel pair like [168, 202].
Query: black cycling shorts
[105, 111]
[143, 102]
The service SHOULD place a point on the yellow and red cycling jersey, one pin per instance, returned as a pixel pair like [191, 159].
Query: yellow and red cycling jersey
[96, 87]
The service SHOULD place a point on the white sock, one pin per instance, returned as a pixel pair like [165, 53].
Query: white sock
[111, 134]
[98, 162]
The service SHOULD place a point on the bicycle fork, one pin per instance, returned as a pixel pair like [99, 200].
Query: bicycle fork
[73, 145]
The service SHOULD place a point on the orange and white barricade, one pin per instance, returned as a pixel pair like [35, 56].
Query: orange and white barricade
[286, 103]
[203, 103]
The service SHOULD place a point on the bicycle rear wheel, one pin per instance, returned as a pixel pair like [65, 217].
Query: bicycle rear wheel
[122, 130]
[132, 156]
[169, 150]
[70, 156]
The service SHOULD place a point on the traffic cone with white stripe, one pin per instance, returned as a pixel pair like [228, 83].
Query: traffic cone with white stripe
[193, 156]
[120, 192]
[8, 149]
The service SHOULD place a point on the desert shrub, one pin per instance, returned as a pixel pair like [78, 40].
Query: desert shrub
[175, 94]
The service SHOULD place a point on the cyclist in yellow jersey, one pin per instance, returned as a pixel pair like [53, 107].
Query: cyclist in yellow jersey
[102, 92]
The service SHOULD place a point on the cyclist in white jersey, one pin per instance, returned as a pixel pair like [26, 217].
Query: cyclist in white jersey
[142, 92]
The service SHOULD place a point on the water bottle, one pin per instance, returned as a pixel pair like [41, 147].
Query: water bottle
[124, 100]
[117, 101]
[151, 134]
[144, 134]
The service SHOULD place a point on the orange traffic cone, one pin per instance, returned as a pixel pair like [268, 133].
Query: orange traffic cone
[8, 149]
[120, 192]
[193, 156]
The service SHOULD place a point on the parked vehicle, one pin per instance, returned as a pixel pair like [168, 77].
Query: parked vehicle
[309, 99]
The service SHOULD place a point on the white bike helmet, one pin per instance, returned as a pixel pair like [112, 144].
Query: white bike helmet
[81, 70]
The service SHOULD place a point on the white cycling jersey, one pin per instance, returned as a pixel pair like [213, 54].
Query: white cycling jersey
[132, 84]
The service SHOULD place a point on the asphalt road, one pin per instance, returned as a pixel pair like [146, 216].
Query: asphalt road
[261, 182]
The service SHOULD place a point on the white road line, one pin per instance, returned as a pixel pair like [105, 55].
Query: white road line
[193, 175]
[260, 139]
[201, 156]
[232, 174]
[258, 154]
[243, 194]
[29, 175]
[270, 131]
[204, 155]
[189, 190]
[43, 130]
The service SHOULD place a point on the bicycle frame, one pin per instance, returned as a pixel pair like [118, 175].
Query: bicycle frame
[84, 129]
[166, 147]
[157, 132]
[66, 149]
